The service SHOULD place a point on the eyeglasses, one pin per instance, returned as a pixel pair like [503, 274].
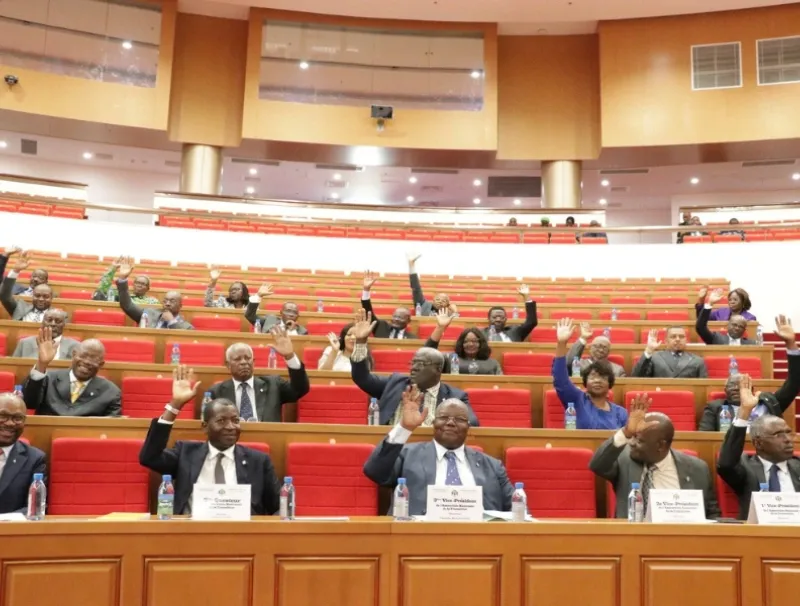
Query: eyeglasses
[456, 420]
[16, 419]
[421, 363]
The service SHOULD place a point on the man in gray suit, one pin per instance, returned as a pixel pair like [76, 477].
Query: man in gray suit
[444, 461]
[75, 391]
[598, 350]
[169, 316]
[674, 363]
[642, 452]
[440, 300]
[287, 318]
[41, 297]
[737, 325]
[55, 319]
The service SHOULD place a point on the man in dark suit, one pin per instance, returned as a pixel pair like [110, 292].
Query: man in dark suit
[642, 452]
[18, 461]
[737, 325]
[287, 319]
[497, 329]
[38, 276]
[426, 375]
[768, 403]
[398, 327]
[674, 363]
[261, 398]
[56, 320]
[219, 460]
[75, 391]
[426, 308]
[773, 464]
[41, 294]
[169, 316]
[444, 461]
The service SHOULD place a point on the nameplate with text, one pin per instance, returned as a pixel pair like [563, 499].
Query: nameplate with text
[221, 502]
[455, 504]
[774, 508]
[676, 507]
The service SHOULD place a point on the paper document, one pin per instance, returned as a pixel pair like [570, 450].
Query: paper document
[12, 517]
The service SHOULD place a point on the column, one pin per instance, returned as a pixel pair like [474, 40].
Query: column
[201, 169]
[561, 183]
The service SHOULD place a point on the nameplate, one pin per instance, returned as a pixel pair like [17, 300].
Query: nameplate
[676, 507]
[774, 508]
[455, 504]
[221, 502]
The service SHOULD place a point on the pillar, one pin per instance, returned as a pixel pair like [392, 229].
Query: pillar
[201, 169]
[561, 183]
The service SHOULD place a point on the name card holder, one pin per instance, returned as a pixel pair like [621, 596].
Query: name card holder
[455, 504]
[676, 507]
[774, 508]
[221, 502]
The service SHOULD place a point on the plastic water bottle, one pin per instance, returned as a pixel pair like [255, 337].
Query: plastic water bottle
[207, 399]
[110, 296]
[286, 510]
[418, 309]
[635, 504]
[373, 412]
[37, 498]
[18, 391]
[515, 313]
[272, 360]
[733, 367]
[492, 333]
[400, 502]
[454, 364]
[166, 498]
[576, 367]
[760, 335]
[614, 315]
[257, 327]
[763, 487]
[519, 503]
[143, 321]
[607, 332]
[725, 418]
[176, 355]
[320, 306]
[570, 417]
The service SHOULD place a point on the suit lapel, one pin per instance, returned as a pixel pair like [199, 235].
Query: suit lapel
[261, 389]
[198, 458]
[669, 360]
[682, 469]
[242, 460]
[474, 464]
[758, 468]
[16, 461]
[430, 463]
[62, 386]
[794, 472]
[90, 391]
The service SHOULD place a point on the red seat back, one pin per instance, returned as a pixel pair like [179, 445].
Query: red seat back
[2, 344]
[575, 314]
[662, 335]
[337, 308]
[198, 354]
[84, 295]
[330, 480]
[716, 395]
[548, 335]
[677, 405]
[676, 315]
[217, 323]
[617, 335]
[194, 301]
[621, 315]
[719, 366]
[502, 407]
[584, 300]
[323, 328]
[144, 397]
[627, 300]
[123, 350]
[392, 360]
[538, 365]
[669, 301]
[98, 317]
[7, 380]
[259, 446]
[344, 404]
[450, 333]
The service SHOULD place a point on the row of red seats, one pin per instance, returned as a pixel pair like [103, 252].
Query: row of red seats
[45, 210]
[749, 236]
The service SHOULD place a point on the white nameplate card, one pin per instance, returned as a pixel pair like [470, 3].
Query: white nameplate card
[676, 507]
[221, 502]
[455, 504]
[774, 508]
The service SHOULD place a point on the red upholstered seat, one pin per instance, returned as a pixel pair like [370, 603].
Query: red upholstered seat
[323, 328]
[194, 301]
[677, 405]
[98, 317]
[676, 315]
[291, 292]
[501, 407]
[575, 314]
[330, 480]
[584, 300]
[472, 313]
[627, 300]
[337, 308]
[333, 294]
[669, 301]
[392, 360]
[450, 333]
[492, 298]
[83, 295]
[345, 404]
[74, 278]
[719, 366]
[2, 344]
[276, 306]
[552, 411]
[548, 335]
[172, 284]
[558, 481]
[538, 365]
[7, 381]
[124, 350]
[144, 397]
[662, 335]
[621, 315]
[259, 446]
[199, 354]
[728, 501]
[617, 335]
[311, 356]
[716, 395]
[217, 323]
[92, 476]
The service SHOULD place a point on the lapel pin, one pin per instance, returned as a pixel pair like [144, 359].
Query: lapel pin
[244, 463]
[261, 390]
[13, 460]
[91, 394]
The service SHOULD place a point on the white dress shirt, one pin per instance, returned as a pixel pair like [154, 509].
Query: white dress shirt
[400, 435]
[665, 476]
[207, 471]
[38, 376]
[783, 474]
[6, 451]
[340, 364]
[251, 391]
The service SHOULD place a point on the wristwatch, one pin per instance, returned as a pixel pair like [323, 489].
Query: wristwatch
[172, 409]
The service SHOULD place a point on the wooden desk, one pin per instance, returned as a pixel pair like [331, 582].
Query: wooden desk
[377, 562]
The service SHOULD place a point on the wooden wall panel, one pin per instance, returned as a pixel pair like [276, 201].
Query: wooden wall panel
[594, 581]
[780, 578]
[43, 582]
[172, 581]
[691, 581]
[329, 581]
[464, 581]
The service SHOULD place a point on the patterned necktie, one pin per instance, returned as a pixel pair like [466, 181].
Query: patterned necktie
[75, 390]
[245, 405]
[647, 484]
[774, 480]
[451, 478]
[219, 472]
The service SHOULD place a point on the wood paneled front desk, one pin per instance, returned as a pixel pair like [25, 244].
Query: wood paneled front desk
[374, 561]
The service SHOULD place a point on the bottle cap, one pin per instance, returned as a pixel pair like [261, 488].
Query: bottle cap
[401, 481]
[208, 394]
[764, 487]
[17, 387]
[38, 477]
[519, 485]
[166, 478]
[635, 485]
[287, 480]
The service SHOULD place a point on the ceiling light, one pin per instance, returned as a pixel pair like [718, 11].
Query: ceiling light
[477, 182]
[475, 74]
[335, 196]
[795, 176]
[127, 45]
[476, 201]
[604, 183]
[87, 155]
[3, 144]
[254, 171]
[602, 201]
[412, 179]
[250, 190]
[304, 65]
[409, 198]
[517, 202]
[337, 177]
[694, 180]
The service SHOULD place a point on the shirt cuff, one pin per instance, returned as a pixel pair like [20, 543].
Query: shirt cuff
[793, 352]
[294, 363]
[12, 275]
[398, 435]
[360, 352]
[582, 341]
[737, 422]
[365, 295]
[620, 439]
[647, 355]
[36, 375]
[254, 299]
[707, 306]
[163, 422]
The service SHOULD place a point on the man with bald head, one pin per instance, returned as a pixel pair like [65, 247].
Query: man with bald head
[18, 461]
[41, 294]
[737, 325]
[773, 464]
[598, 350]
[262, 398]
[642, 452]
[397, 327]
[445, 461]
[426, 374]
[169, 316]
[71, 392]
[56, 320]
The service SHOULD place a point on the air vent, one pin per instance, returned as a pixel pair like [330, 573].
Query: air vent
[255, 162]
[620, 189]
[252, 180]
[339, 167]
[431, 189]
[779, 60]
[514, 187]
[716, 66]
[758, 163]
[102, 156]
[434, 171]
[625, 171]
[330, 199]
[172, 163]
[333, 184]
[29, 146]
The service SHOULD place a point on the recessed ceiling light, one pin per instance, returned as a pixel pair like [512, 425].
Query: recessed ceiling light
[517, 202]
[694, 180]
[3, 144]
[127, 45]
[412, 179]
[304, 65]
[475, 74]
[604, 183]
[602, 201]
[250, 190]
[476, 201]
[795, 176]
[477, 182]
[335, 196]
[253, 171]
[87, 155]
[409, 198]
[337, 177]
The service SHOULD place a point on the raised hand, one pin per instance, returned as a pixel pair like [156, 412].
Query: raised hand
[167, 316]
[214, 273]
[333, 339]
[784, 330]
[369, 280]
[716, 296]
[412, 417]
[116, 263]
[363, 325]
[564, 330]
[586, 331]
[283, 343]
[701, 294]
[13, 250]
[184, 386]
[637, 414]
[524, 291]
[443, 318]
[652, 341]
[47, 348]
[265, 290]
[125, 268]
[747, 399]
[412, 258]
[453, 309]
[23, 262]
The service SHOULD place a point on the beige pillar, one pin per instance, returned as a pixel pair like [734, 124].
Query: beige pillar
[561, 183]
[201, 169]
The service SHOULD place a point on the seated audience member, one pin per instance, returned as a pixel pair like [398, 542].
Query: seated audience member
[169, 316]
[18, 461]
[401, 318]
[472, 348]
[287, 319]
[733, 232]
[737, 326]
[544, 222]
[768, 403]
[642, 452]
[512, 222]
[427, 308]
[38, 276]
[674, 363]
[445, 461]
[261, 398]
[686, 219]
[219, 460]
[141, 284]
[238, 295]
[71, 392]
[499, 331]
[41, 298]
[598, 350]
[693, 223]
[738, 305]
[593, 410]
[426, 374]
[773, 464]
[55, 320]
[595, 234]
[570, 221]
[336, 356]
